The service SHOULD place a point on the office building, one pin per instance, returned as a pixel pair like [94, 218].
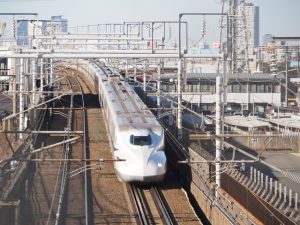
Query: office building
[60, 24]
[250, 23]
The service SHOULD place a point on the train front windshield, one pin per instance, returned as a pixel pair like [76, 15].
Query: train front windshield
[140, 140]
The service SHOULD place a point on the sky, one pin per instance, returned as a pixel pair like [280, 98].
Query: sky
[277, 17]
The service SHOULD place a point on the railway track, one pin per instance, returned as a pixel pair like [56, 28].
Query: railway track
[76, 204]
[69, 192]
[151, 206]
[51, 196]
[92, 196]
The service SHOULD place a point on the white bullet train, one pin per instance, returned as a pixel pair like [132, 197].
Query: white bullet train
[135, 134]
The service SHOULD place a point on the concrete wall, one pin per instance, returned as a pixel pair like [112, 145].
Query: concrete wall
[225, 210]
[266, 143]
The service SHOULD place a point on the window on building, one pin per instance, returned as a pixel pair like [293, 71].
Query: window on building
[196, 88]
[212, 88]
[252, 88]
[260, 88]
[244, 88]
[188, 88]
[229, 88]
[204, 88]
[269, 88]
[236, 88]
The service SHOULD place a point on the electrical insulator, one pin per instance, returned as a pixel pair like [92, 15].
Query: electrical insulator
[273, 65]
[101, 164]
[14, 28]
[33, 28]
[203, 27]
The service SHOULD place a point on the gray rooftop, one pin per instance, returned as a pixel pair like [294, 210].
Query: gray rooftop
[248, 122]
[293, 122]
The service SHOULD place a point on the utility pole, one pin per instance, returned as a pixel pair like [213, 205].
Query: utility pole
[51, 71]
[134, 70]
[286, 77]
[21, 96]
[15, 94]
[144, 77]
[218, 131]
[41, 75]
[179, 100]
[158, 90]
[298, 60]
[34, 74]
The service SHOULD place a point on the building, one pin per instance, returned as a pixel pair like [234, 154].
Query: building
[260, 92]
[60, 24]
[216, 45]
[2, 28]
[267, 38]
[22, 32]
[244, 30]
[250, 13]
[26, 29]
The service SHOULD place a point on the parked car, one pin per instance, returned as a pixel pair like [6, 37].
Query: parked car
[206, 112]
[245, 112]
[258, 114]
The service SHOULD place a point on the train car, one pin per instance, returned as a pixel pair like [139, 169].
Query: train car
[135, 134]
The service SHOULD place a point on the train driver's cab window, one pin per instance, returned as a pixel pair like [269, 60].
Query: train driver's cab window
[140, 140]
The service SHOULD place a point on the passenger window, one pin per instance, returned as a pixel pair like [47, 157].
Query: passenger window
[140, 140]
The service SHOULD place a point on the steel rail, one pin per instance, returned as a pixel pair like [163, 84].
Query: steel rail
[66, 164]
[162, 206]
[139, 205]
[160, 203]
[86, 162]
[87, 200]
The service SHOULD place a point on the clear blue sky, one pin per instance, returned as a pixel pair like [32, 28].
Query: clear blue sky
[278, 17]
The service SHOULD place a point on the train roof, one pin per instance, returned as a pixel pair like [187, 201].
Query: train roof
[129, 110]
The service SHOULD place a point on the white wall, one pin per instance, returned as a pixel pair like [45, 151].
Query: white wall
[271, 98]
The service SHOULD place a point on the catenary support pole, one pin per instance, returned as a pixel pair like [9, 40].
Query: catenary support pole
[144, 77]
[21, 96]
[218, 130]
[34, 75]
[158, 90]
[41, 75]
[179, 100]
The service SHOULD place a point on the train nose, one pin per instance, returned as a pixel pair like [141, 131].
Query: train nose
[147, 169]
[156, 164]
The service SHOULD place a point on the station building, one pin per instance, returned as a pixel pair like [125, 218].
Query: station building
[253, 92]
